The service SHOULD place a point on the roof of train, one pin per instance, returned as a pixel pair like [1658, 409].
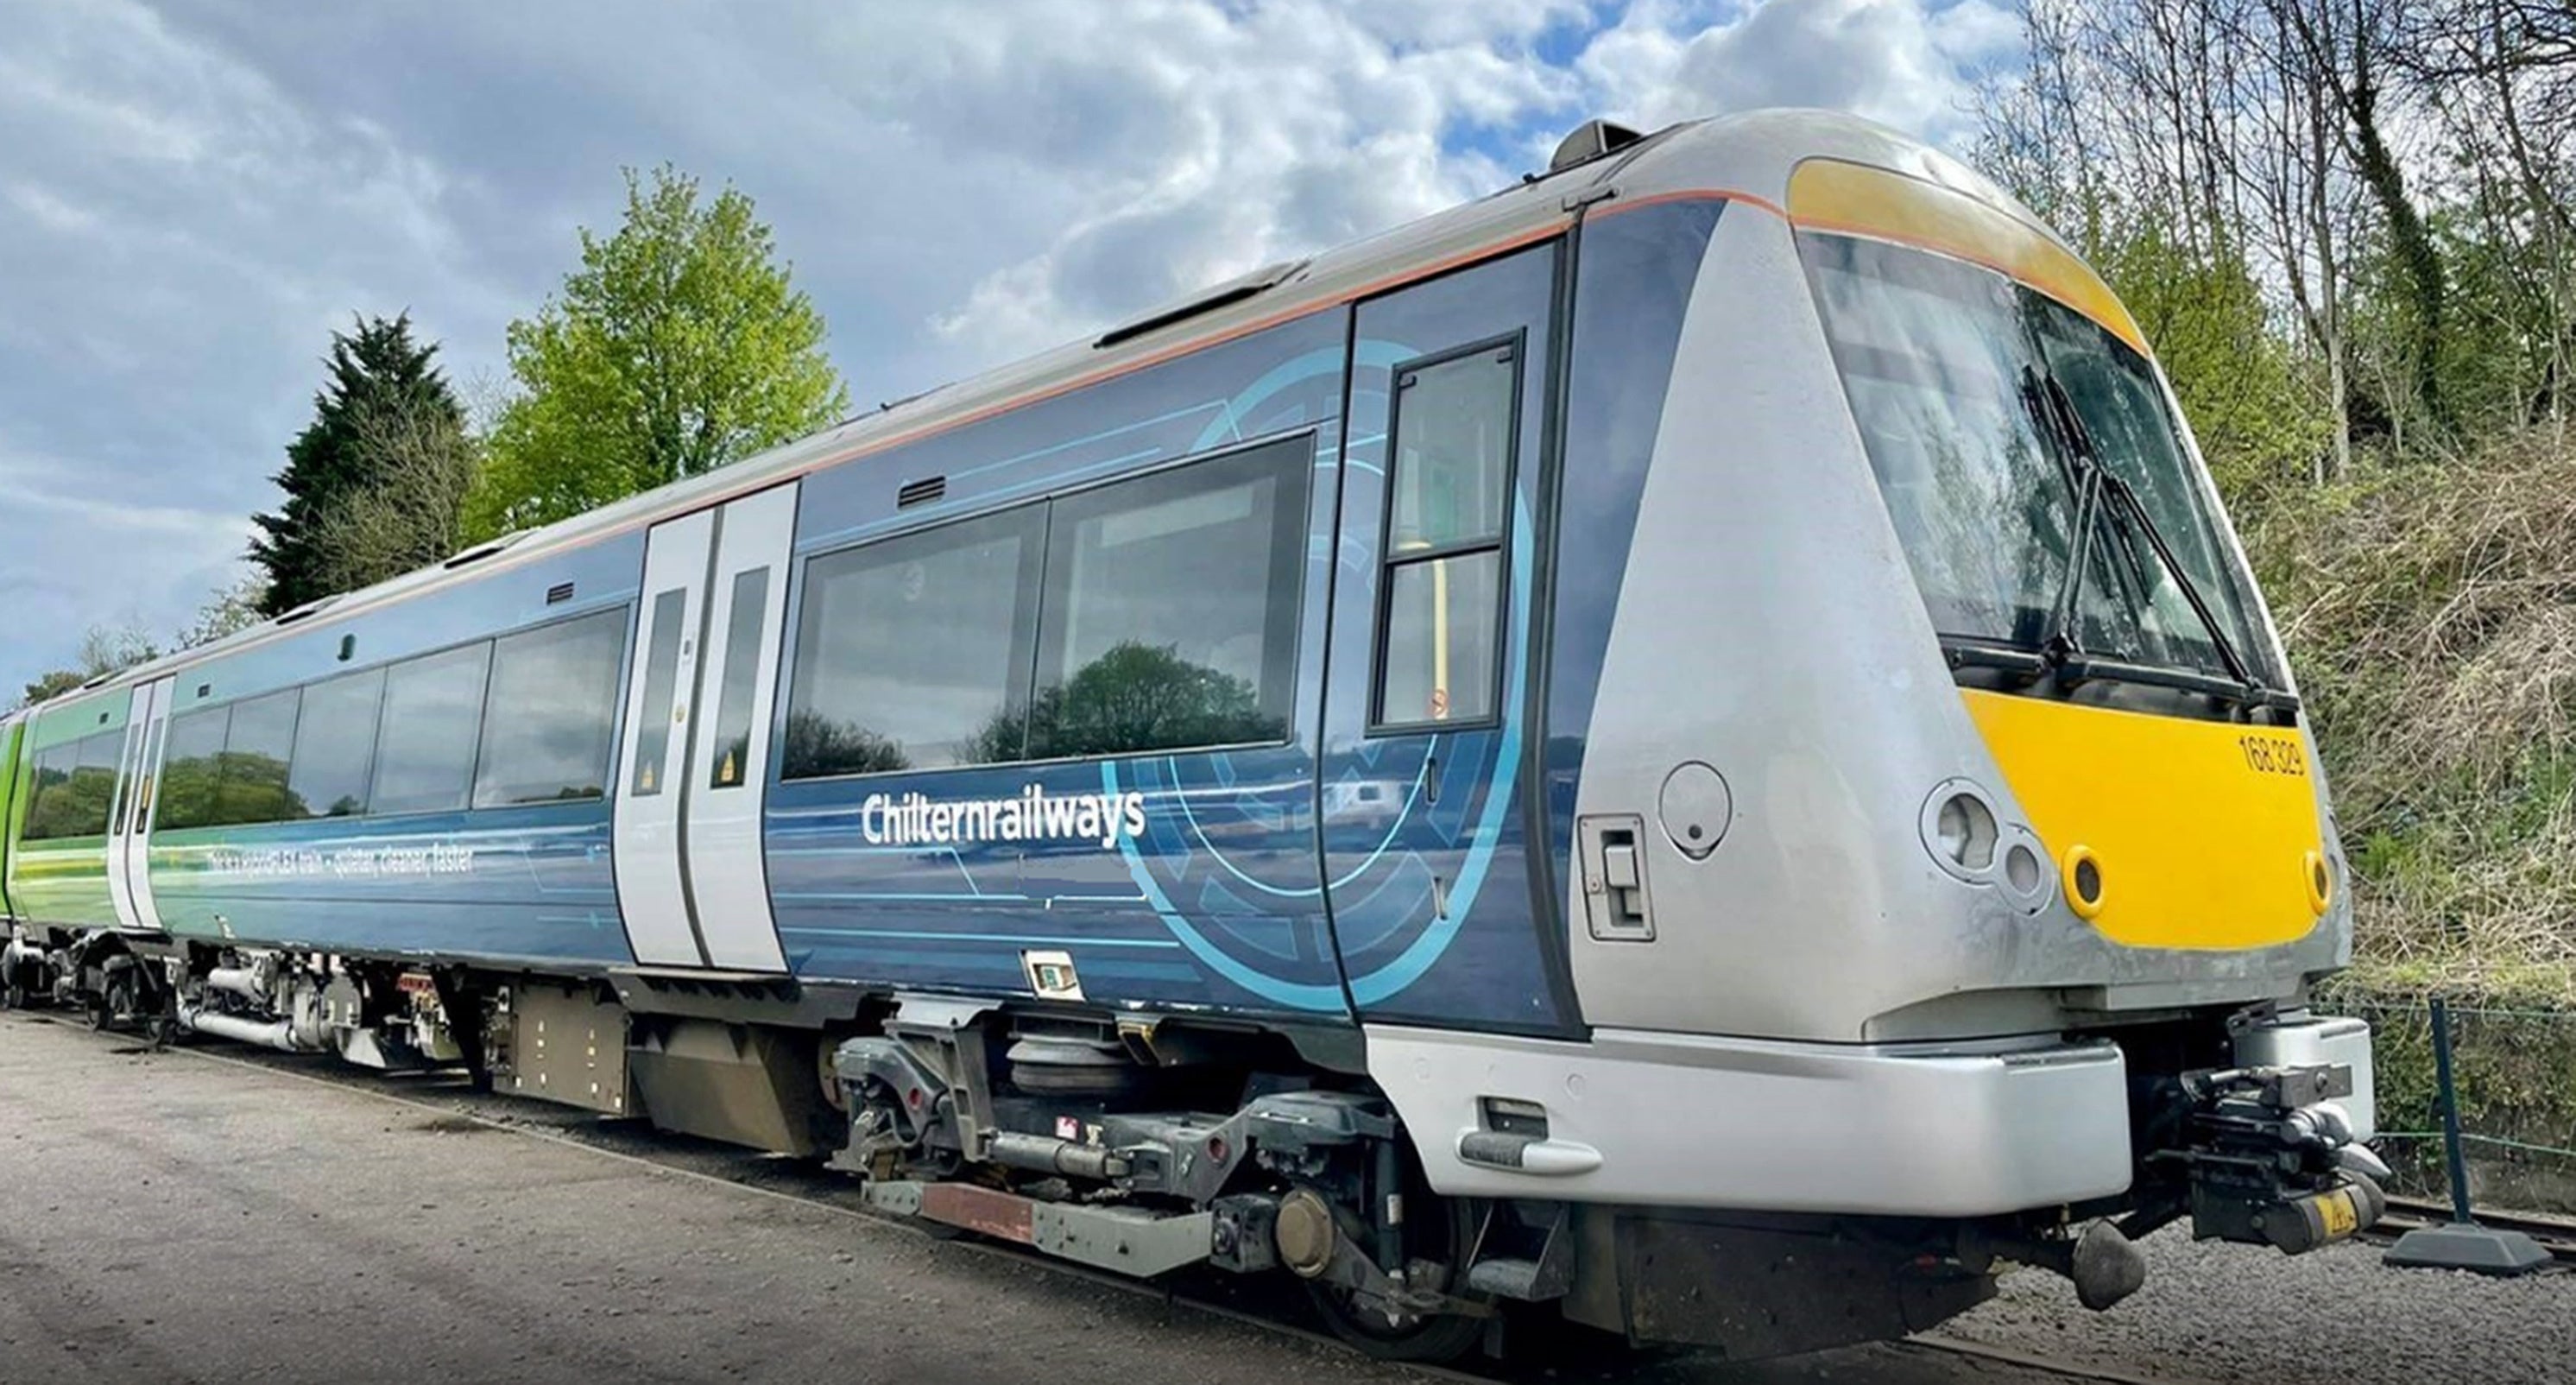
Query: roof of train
[1745, 157]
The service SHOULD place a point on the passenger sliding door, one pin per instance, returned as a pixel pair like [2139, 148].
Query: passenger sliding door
[129, 824]
[693, 768]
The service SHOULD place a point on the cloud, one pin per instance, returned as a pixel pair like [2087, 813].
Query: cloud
[1898, 61]
[192, 198]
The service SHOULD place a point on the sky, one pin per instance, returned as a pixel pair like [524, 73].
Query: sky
[194, 196]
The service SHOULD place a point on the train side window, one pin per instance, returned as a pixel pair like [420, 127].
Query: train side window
[74, 787]
[252, 786]
[48, 771]
[552, 713]
[913, 652]
[192, 755]
[1170, 615]
[734, 693]
[425, 738]
[335, 746]
[1449, 485]
[661, 692]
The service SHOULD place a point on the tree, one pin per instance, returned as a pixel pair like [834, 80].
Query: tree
[382, 384]
[411, 512]
[103, 649]
[229, 611]
[678, 346]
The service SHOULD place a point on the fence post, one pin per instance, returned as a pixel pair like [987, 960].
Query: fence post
[2462, 1245]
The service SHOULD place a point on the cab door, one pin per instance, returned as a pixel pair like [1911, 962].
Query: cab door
[129, 824]
[1428, 728]
[693, 769]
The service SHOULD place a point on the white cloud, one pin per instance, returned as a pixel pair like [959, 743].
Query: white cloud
[1902, 62]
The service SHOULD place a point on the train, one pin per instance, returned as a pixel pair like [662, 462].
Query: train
[1685, 748]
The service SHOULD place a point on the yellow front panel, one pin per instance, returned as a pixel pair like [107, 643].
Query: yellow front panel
[2205, 833]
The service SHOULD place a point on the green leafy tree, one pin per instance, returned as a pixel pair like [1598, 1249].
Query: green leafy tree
[678, 346]
[383, 384]
[229, 611]
[2258, 422]
[103, 649]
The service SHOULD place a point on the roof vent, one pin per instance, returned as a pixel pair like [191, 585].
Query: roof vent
[1590, 140]
[1232, 291]
[307, 609]
[480, 552]
[921, 492]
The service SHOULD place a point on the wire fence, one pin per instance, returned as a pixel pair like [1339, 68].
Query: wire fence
[2515, 1070]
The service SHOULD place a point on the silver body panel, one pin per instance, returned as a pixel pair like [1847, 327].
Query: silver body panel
[1685, 1120]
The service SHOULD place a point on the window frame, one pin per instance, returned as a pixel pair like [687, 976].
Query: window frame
[474, 758]
[1026, 661]
[1023, 660]
[224, 760]
[214, 783]
[739, 658]
[1381, 632]
[375, 729]
[483, 712]
[36, 795]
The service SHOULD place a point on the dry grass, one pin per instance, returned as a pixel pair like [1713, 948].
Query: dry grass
[2431, 614]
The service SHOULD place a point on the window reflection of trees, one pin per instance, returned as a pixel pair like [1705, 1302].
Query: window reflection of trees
[819, 745]
[1134, 699]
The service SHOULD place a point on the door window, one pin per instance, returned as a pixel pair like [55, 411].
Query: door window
[1449, 488]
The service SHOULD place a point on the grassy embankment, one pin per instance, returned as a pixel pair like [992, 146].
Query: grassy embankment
[2430, 611]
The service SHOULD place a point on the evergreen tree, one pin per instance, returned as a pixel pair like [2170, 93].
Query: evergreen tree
[377, 372]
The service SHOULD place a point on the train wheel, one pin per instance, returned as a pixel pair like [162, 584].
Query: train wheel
[1444, 1238]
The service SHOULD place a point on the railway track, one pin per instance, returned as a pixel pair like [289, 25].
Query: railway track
[1570, 1356]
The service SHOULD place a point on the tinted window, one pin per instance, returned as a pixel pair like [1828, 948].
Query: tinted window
[251, 785]
[741, 670]
[75, 786]
[49, 770]
[661, 689]
[553, 712]
[335, 744]
[1440, 656]
[1453, 449]
[425, 745]
[1170, 616]
[191, 769]
[1442, 619]
[913, 652]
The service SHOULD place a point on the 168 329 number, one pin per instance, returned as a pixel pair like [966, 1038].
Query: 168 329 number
[2273, 755]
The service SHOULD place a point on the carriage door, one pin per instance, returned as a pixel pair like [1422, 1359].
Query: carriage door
[694, 767]
[129, 824]
[1423, 779]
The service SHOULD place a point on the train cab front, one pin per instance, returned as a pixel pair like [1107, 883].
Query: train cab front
[1949, 876]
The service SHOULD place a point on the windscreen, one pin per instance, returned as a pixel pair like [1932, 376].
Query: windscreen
[1939, 359]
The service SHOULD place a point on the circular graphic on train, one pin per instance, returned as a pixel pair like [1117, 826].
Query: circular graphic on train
[1229, 857]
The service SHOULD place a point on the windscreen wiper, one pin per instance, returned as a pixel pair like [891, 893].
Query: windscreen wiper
[2055, 412]
[2074, 448]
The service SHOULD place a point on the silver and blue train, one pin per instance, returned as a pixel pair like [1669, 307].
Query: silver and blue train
[1685, 748]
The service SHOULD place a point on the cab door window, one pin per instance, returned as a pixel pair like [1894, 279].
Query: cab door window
[1449, 485]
